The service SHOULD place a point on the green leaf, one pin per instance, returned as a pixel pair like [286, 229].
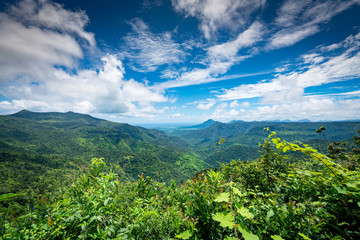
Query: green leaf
[304, 237]
[270, 213]
[243, 211]
[237, 191]
[230, 238]
[350, 185]
[225, 220]
[6, 196]
[276, 237]
[247, 235]
[285, 149]
[340, 190]
[185, 235]
[223, 197]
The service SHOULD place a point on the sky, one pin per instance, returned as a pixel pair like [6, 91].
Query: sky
[182, 61]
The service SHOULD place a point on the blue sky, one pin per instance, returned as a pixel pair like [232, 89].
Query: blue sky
[182, 61]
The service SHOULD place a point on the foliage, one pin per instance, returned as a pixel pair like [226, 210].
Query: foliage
[40, 152]
[270, 198]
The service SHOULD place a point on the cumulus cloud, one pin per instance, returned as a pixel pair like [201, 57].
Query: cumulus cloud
[104, 91]
[35, 35]
[234, 104]
[283, 96]
[315, 108]
[147, 51]
[315, 70]
[39, 42]
[206, 105]
[51, 15]
[245, 104]
[218, 14]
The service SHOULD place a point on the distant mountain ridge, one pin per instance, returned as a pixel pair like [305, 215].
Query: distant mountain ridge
[247, 135]
[203, 125]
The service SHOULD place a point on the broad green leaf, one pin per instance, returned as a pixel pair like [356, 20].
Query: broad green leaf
[237, 191]
[270, 213]
[285, 149]
[243, 211]
[340, 190]
[247, 235]
[223, 197]
[276, 237]
[350, 185]
[225, 220]
[304, 237]
[185, 235]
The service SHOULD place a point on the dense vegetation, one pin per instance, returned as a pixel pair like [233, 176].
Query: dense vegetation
[40, 152]
[242, 138]
[269, 198]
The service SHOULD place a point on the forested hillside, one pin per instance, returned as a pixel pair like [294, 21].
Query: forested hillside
[268, 198]
[242, 138]
[37, 148]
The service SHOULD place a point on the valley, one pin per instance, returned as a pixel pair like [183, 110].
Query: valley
[76, 176]
[36, 148]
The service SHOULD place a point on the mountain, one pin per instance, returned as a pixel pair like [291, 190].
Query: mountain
[250, 134]
[36, 146]
[235, 121]
[203, 125]
[42, 151]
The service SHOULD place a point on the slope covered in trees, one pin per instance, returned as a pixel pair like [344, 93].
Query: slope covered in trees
[269, 198]
[39, 151]
[36, 148]
[243, 137]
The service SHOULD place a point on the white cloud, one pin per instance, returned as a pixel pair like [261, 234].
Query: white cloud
[293, 94]
[51, 15]
[221, 114]
[288, 12]
[89, 91]
[313, 58]
[229, 50]
[147, 51]
[219, 59]
[313, 108]
[289, 37]
[245, 104]
[352, 41]
[353, 93]
[39, 41]
[297, 20]
[206, 105]
[220, 109]
[35, 35]
[218, 14]
[234, 104]
[315, 71]
[177, 115]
